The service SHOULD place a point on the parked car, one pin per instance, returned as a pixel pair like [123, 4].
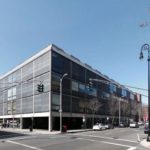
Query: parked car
[99, 126]
[140, 123]
[123, 124]
[109, 126]
[146, 129]
[134, 125]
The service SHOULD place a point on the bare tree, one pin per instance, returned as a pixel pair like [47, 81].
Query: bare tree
[113, 106]
[91, 105]
[84, 107]
[125, 107]
[139, 111]
[94, 106]
[134, 111]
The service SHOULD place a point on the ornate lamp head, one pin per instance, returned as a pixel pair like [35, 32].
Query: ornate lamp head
[141, 55]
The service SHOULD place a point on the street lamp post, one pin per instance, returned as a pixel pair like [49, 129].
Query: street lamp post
[119, 112]
[60, 108]
[147, 47]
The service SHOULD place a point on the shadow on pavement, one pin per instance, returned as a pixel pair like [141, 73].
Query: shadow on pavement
[6, 134]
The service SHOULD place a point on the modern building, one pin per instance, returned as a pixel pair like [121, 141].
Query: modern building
[30, 94]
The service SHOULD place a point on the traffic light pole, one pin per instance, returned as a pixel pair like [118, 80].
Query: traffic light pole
[60, 109]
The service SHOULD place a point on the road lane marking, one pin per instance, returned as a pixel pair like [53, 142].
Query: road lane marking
[95, 136]
[24, 145]
[110, 138]
[125, 140]
[131, 148]
[116, 144]
[138, 138]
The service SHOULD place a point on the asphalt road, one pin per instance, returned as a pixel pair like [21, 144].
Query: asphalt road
[114, 139]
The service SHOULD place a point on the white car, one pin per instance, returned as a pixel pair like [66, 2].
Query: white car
[134, 125]
[99, 126]
[140, 123]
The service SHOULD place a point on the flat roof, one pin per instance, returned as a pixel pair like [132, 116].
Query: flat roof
[62, 52]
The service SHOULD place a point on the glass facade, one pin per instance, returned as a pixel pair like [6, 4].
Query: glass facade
[75, 87]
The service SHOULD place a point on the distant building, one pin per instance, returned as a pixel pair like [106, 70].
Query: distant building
[145, 113]
[30, 94]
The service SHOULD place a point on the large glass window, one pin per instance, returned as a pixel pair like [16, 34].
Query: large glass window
[74, 86]
[60, 64]
[55, 82]
[112, 88]
[89, 75]
[42, 79]
[11, 80]
[41, 102]
[5, 108]
[42, 64]
[78, 105]
[27, 71]
[82, 90]
[124, 93]
[5, 95]
[55, 102]
[11, 94]
[92, 92]
[66, 86]
[1, 97]
[131, 96]
[27, 88]
[66, 103]
[11, 108]
[18, 106]
[78, 72]
[27, 105]
[1, 109]
[17, 77]
[56, 62]
[3, 86]
[105, 95]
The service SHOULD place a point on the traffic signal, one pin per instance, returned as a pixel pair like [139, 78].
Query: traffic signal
[90, 86]
[40, 87]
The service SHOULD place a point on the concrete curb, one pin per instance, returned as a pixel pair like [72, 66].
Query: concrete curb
[76, 131]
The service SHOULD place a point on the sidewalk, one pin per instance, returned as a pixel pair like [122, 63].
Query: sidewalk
[37, 131]
[145, 143]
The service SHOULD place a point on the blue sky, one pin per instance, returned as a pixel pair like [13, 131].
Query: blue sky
[102, 33]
